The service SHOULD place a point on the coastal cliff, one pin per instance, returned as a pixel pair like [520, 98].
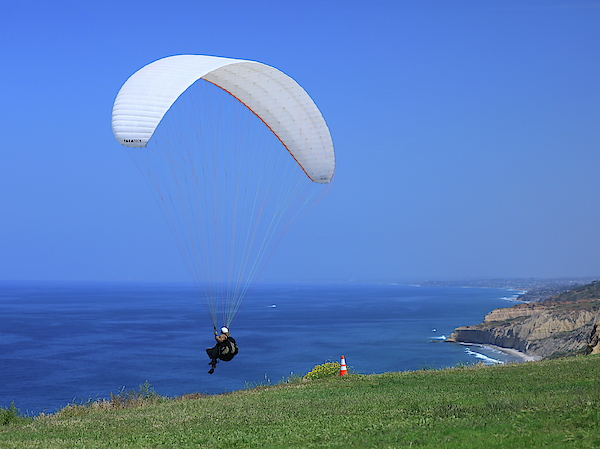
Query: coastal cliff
[564, 324]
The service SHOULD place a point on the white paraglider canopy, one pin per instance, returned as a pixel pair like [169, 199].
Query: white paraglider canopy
[210, 134]
[274, 97]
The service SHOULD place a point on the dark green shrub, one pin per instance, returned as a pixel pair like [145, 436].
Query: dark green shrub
[11, 415]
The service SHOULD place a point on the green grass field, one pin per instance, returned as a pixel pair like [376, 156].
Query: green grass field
[546, 404]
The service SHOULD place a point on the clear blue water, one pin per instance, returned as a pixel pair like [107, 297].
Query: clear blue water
[61, 342]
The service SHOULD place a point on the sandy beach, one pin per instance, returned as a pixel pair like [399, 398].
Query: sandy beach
[514, 352]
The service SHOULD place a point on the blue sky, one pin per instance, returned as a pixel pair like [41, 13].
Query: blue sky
[467, 135]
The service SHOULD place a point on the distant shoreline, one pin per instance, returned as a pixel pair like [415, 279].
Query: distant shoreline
[510, 351]
[516, 353]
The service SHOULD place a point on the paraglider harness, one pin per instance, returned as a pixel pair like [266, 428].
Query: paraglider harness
[223, 350]
[227, 349]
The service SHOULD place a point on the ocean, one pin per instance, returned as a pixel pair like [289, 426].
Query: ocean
[71, 342]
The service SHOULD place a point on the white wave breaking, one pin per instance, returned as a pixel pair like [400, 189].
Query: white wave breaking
[514, 297]
[484, 358]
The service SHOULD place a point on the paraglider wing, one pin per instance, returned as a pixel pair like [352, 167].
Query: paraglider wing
[274, 97]
[207, 134]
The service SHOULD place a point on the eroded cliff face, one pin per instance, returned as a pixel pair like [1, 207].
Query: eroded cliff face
[594, 343]
[540, 329]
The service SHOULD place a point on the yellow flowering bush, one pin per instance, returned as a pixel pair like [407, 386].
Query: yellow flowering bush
[328, 369]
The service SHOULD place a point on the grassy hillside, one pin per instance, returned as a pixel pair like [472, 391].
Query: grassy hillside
[552, 403]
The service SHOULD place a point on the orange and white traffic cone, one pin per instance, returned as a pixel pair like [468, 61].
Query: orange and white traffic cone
[343, 370]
